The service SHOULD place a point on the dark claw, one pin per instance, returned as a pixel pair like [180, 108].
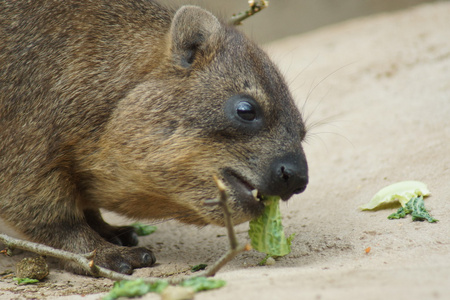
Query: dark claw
[148, 259]
[125, 268]
[124, 259]
[115, 240]
[140, 257]
[127, 236]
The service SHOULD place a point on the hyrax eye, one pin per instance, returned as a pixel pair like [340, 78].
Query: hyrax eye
[244, 114]
[246, 111]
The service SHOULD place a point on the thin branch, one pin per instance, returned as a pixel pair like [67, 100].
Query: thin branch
[223, 202]
[83, 260]
[237, 19]
[86, 262]
[235, 249]
[227, 257]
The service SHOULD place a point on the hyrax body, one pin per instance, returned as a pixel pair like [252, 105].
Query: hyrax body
[132, 107]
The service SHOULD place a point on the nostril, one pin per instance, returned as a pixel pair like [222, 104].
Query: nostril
[288, 176]
[284, 173]
[290, 179]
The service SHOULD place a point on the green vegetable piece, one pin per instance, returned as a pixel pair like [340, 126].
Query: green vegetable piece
[137, 288]
[266, 232]
[398, 192]
[199, 267]
[142, 229]
[134, 288]
[401, 213]
[264, 260]
[415, 207]
[158, 286]
[23, 281]
[202, 283]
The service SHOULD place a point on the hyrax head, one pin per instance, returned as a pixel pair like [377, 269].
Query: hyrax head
[214, 105]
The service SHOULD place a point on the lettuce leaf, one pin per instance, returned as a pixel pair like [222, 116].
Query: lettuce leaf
[137, 288]
[398, 192]
[266, 232]
[134, 288]
[202, 283]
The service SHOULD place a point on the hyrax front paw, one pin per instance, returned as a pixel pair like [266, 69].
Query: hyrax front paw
[124, 259]
[121, 236]
[118, 235]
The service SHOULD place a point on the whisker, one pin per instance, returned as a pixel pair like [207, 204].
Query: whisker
[316, 135]
[314, 86]
[305, 116]
[327, 76]
[302, 70]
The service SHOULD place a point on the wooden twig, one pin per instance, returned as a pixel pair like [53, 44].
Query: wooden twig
[235, 249]
[83, 260]
[237, 19]
[86, 262]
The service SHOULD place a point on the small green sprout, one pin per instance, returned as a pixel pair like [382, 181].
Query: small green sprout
[23, 281]
[142, 229]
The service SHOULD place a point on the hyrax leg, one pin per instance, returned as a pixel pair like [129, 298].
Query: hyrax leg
[78, 236]
[48, 213]
[118, 235]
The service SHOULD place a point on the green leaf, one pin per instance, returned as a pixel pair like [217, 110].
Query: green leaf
[266, 232]
[401, 213]
[415, 207]
[135, 288]
[264, 260]
[142, 229]
[23, 281]
[158, 286]
[398, 192]
[199, 267]
[203, 283]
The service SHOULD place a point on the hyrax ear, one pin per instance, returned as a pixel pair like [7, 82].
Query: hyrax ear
[192, 32]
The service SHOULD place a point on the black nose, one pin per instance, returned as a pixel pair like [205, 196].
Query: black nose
[289, 175]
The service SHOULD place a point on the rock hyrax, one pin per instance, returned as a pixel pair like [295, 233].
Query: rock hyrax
[132, 107]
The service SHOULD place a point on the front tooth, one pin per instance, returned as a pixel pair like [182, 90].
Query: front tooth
[255, 194]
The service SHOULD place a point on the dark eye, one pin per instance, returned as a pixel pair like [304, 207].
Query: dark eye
[246, 111]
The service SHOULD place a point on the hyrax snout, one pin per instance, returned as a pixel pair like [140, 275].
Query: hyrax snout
[132, 107]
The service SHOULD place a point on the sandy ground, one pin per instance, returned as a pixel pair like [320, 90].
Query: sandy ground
[376, 95]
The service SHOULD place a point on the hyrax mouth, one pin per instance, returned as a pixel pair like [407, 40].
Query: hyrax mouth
[243, 191]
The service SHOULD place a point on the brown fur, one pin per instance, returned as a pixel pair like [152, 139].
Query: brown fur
[121, 105]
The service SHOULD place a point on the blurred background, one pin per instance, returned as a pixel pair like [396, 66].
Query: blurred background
[288, 17]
